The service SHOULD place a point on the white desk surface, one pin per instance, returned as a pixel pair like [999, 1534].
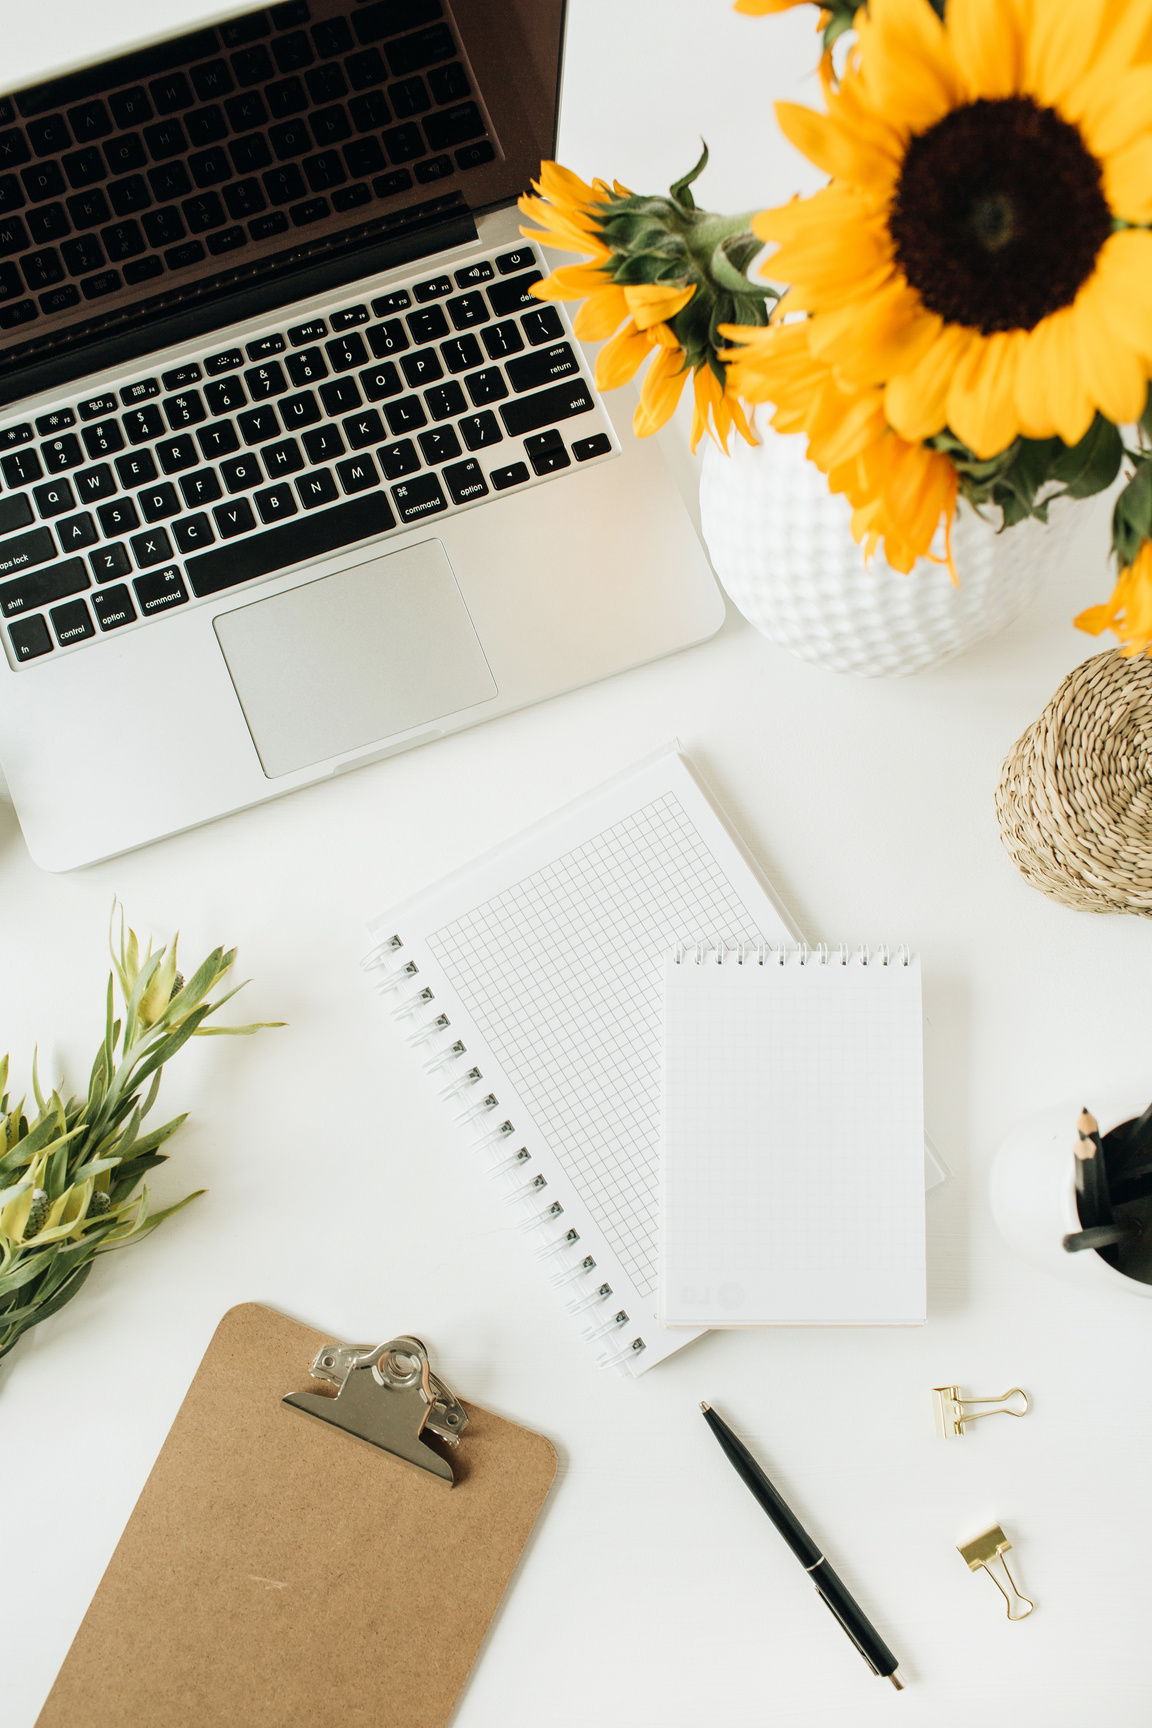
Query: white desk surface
[653, 1593]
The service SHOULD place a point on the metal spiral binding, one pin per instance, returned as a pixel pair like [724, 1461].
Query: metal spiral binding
[617, 1358]
[448, 1057]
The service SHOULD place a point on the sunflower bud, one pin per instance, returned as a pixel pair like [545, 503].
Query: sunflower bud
[37, 1212]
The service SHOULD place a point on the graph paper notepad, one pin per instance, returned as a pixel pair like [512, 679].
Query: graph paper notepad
[793, 1177]
[529, 985]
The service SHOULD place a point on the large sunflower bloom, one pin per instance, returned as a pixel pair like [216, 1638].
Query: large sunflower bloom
[899, 491]
[566, 211]
[967, 256]
[1129, 611]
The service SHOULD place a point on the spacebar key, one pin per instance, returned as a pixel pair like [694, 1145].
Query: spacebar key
[290, 543]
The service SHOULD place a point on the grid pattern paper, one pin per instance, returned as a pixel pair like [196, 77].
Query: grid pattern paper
[562, 974]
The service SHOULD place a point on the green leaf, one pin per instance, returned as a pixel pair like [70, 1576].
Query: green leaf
[1132, 517]
[28, 1266]
[1093, 464]
[679, 188]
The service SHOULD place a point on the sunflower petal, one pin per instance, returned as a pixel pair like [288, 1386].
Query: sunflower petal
[909, 68]
[1059, 42]
[916, 400]
[655, 302]
[987, 40]
[600, 314]
[982, 396]
[620, 358]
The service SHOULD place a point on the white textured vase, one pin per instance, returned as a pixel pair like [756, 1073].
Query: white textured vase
[782, 546]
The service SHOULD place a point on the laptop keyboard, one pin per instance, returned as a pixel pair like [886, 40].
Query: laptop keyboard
[271, 126]
[431, 397]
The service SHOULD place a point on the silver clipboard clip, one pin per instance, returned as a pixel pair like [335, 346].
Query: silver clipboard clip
[388, 1395]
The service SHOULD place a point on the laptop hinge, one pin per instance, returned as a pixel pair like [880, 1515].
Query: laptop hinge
[189, 313]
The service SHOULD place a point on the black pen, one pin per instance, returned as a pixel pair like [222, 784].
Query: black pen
[850, 1615]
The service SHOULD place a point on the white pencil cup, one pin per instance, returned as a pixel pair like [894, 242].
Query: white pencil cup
[1033, 1193]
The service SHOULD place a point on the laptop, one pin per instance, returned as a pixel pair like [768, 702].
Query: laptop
[295, 472]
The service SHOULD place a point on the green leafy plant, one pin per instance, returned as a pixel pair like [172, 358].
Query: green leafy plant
[72, 1179]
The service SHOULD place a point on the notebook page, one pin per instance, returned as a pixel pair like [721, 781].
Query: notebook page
[793, 1173]
[547, 958]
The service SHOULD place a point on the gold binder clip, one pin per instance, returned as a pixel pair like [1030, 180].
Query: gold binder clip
[388, 1396]
[984, 1551]
[948, 1408]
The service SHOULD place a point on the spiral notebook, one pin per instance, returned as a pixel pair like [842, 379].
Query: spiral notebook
[529, 988]
[793, 1180]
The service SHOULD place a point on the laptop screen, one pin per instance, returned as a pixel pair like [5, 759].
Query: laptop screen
[203, 178]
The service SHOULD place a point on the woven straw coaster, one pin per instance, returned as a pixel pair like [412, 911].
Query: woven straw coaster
[1075, 795]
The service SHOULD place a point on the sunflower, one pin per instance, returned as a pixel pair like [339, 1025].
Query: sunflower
[671, 321]
[970, 255]
[899, 491]
[1129, 611]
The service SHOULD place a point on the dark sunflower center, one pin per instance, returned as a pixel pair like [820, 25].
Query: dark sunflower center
[999, 215]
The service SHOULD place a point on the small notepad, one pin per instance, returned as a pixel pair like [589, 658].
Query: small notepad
[793, 1139]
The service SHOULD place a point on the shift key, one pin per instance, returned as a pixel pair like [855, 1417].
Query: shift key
[26, 550]
[560, 403]
[42, 587]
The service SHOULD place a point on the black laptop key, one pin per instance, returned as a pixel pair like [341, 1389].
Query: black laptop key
[465, 310]
[234, 518]
[585, 449]
[561, 402]
[445, 401]
[62, 453]
[340, 395]
[452, 126]
[346, 351]
[72, 623]
[514, 475]
[14, 513]
[159, 502]
[479, 431]
[43, 181]
[390, 17]
[307, 367]
[113, 607]
[403, 143]
[241, 473]
[364, 71]
[41, 587]
[93, 484]
[265, 381]
[543, 325]
[76, 532]
[14, 147]
[323, 444]
[296, 412]
[203, 487]
[225, 362]
[124, 154]
[151, 547]
[143, 424]
[193, 533]
[22, 468]
[13, 236]
[513, 295]
[225, 395]
[42, 269]
[313, 210]
[96, 407]
[428, 325]
[212, 80]
[26, 550]
[110, 561]
[219, 440]
[398, 459]
[410, 97]
[350, 197]
[186, 409]
[276, 503]
[130, 107]
[418, 497]
[381, 381]
[423, 48]
[48, 223]
[96, 287]
[20, 313]
[176, 454]
[284, 185]
[49, 424]
[387, 338]
[465, 481]
[30, 638]
[160, 591]
[170, 93]
[118, 518]
[461, 354]
[508, 263]
[439, 445]
[103, 439]
[54, 498]
[316, 489]
[259, 424]
[60, 299]
[532, 371]
[129, 195]
[358, 474]
[407, 415]
[252, 66]
[422, 368]
[283, 458]
[306, 537]
[486, 386]
[332, 37]
[503, 339]
[363, 429]
[292, 52]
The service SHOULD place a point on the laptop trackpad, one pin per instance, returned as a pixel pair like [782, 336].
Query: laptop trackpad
[354, 658]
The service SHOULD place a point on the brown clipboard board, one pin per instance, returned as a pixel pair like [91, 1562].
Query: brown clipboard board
[278, 1573]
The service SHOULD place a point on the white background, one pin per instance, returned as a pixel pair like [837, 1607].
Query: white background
[653, 1593]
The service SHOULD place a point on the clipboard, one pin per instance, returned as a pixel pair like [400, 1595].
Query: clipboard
[279, 1573]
